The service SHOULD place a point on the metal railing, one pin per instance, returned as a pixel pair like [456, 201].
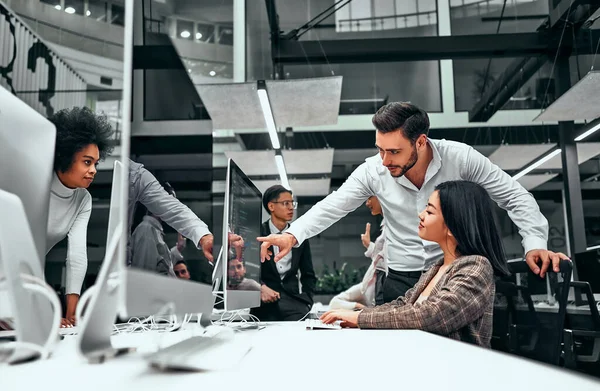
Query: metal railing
[388, 22]
[33, 81]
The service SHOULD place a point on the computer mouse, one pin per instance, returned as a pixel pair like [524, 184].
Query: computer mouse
[218, 331]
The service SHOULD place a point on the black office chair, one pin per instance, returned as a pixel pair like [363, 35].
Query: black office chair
[504, 308]
[532, 333]
[581, 346]
[513, 331]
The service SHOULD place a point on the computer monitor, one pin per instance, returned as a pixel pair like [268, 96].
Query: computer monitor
[115, 209]
[242, 214]
[106, 297]
[27, 142]
[26, 167]
[121, 290]
[587, 265]
[127, 291]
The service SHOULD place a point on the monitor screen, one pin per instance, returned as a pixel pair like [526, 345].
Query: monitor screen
[587, 265]
[242, 214]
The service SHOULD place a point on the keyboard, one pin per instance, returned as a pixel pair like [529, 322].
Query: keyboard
[316, 324]
[199, 353]
[68, 330]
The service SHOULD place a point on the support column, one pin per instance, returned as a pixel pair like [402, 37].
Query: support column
[446, 66]
[239, 41]
[570, 167]
[138, 74]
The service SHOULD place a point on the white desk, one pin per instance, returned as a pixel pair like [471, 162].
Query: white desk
[318, 359]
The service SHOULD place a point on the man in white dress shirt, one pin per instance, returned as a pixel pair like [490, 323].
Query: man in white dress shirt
[402, 176]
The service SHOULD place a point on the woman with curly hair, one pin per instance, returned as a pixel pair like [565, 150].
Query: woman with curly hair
[82, 140]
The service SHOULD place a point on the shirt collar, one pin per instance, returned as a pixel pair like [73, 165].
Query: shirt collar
[274, 229]
[59, 189]
[435, 164]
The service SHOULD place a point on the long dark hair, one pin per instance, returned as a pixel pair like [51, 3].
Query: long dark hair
[468, 214]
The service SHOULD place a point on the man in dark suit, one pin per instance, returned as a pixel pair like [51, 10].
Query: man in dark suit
[282, 299]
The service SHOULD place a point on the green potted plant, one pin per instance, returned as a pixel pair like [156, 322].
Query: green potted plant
[332, 282]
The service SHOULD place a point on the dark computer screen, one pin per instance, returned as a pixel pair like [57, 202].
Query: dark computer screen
[244, 219]
[587, 264]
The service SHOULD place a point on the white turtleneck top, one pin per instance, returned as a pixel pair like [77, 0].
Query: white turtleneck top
[70, 211]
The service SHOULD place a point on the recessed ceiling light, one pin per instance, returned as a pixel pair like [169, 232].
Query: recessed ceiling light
[185, 34]
[87, 13]
[70, 10]
[198, 35]
[58, 7]
[189, 70]
[212, 73]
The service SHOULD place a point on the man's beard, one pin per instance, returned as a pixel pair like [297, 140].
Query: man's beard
[235, 280]
[411, 162]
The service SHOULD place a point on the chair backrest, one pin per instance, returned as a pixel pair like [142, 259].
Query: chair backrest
[508, 295]
[591, 322]
[536, 328]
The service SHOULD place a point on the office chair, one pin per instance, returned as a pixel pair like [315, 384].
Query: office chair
[581, 331]
[532, 333]
[512, 332]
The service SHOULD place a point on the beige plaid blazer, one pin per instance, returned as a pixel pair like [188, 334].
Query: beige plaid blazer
[460, 306]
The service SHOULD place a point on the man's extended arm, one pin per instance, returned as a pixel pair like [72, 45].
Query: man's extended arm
[332, 208]
[169, 209]
[522, 208]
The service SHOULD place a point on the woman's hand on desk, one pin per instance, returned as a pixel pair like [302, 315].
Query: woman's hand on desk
[349, 318]
[64, 323]
[69, 319]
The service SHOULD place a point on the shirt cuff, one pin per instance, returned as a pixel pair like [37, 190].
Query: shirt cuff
[340, 304]
[370, 249]
[198, 234]
[73, 287]
[534, 243]
[363, 318]
[300, 237]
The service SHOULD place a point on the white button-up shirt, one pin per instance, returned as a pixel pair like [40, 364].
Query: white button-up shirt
[376, 251]
[402, 202]
[285, 264]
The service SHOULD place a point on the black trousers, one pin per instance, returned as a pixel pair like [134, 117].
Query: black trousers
[379, 281]
[288, 309]
[397, 283]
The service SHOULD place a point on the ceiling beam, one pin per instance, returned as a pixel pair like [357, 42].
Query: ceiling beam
[410, 48]
[505, 87]
[566, 15]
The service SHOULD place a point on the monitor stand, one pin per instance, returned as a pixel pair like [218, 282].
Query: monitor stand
[105, 299]
[217, 279]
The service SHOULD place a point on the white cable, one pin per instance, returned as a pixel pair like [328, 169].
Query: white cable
[173, 325]
[38, 285]
[301, 319]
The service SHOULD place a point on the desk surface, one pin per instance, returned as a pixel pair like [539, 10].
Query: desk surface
[289, 356]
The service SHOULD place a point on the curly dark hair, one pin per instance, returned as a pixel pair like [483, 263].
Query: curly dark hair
[77, 128]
